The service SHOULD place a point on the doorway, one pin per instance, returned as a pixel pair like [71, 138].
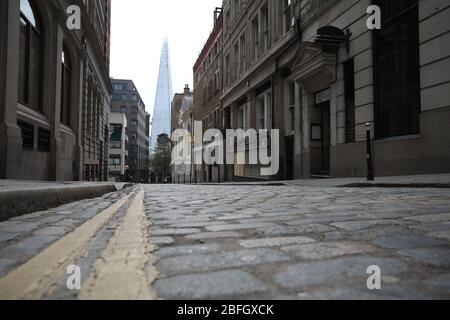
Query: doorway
[289, 142]
[321, 140]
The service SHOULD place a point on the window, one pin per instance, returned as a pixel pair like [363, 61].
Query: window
[236, 7]
[66, 76]
[227, 70]
[397, 73]
[255, 36]
[123, 109]
[30, 57]
[291, 106]
[134, 123]
[210, 120]
[133, 136]
[236, 61]
[118, 87]
[242, 119]
[261, 113]
[265, 28]
[227, 22]
[27, 134]
[43, 140]
[216, 81]
[318, 4]
[242, 54]
[115, 161]
[287, 12]
[349, 83]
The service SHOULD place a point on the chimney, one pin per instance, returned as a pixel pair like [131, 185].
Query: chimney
[187, 91]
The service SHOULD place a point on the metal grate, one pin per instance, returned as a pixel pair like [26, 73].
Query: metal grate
[27, 134]
[43, 140]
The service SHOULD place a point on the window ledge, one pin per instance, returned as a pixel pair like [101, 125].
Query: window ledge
[406, 137]
[67, 130]
[32, 115]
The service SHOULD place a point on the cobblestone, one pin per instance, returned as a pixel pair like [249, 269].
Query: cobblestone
[211, 285]
[173, 232]
[210, 262]
[437, 257]
[162, 240]
[241, 242]
[241, 226]
[336, 271]
[327, 250]
[10, 226]
[431, 218]
[274, 242]
[214, 235]
[187, 250]
[407, 241]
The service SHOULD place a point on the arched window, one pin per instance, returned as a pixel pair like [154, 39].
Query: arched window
[30, 57]
[66, 76]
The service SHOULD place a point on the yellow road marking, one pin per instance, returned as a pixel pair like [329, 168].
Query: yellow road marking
[125, 269]
[34, 278]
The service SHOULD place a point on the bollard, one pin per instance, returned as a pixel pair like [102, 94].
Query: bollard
[370, 174]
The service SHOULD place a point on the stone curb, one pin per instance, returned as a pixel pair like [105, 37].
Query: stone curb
[349, 185]
[14, 203]
[397, 185]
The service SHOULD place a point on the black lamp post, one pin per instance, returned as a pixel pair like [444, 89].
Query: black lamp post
[370, 174]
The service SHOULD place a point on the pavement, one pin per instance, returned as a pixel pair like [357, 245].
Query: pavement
[232, 242]
[414, 181]
[21, 197]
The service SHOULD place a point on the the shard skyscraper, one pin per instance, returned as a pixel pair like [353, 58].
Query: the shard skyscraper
[163, 100]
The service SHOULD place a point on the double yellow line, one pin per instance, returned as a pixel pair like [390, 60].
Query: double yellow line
[127, 261]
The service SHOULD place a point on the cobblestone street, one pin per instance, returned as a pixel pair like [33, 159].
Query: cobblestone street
[233, 242]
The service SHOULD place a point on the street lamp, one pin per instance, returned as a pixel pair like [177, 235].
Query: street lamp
[370, 174]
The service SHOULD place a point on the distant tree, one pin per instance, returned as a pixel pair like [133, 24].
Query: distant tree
[162, 160]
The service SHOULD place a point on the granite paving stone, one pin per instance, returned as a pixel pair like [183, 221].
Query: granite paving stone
[245, 241]
[209, 285]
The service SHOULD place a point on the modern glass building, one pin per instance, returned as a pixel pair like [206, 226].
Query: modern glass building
[161, 114]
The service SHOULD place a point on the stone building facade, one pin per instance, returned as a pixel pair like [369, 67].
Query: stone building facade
[207, 92]
[182, 115]
[314, 70]
[118, 150]
[54, 91]
[126, 99]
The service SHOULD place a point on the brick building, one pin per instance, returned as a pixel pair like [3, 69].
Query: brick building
[207, 93]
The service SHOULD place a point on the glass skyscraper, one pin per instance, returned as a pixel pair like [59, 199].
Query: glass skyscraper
[162, 113]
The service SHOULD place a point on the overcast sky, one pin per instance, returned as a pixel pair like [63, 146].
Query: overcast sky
[138, 30]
